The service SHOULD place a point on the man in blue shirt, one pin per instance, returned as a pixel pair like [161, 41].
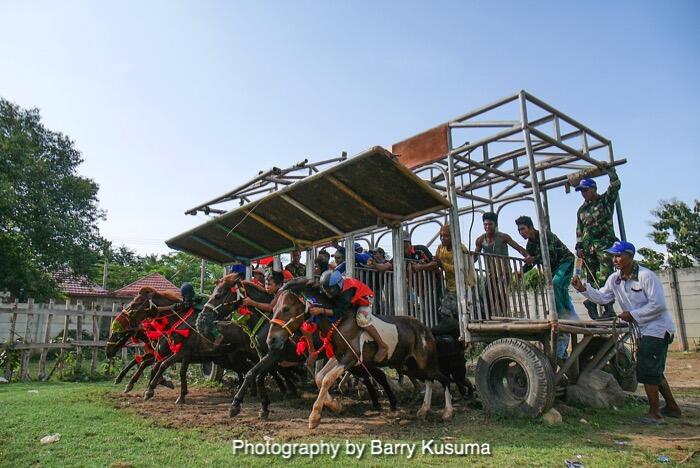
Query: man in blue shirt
[639, 293]
[361, 258]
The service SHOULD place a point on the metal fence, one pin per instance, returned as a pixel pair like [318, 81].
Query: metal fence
[497, 289]
[500, 289]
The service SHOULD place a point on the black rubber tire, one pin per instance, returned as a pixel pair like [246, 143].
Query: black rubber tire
[211, 372]
[514, 379]
[627, 378]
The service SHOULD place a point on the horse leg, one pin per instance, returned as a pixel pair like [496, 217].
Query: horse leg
[264, 412]
[381, 378]
[371, 390]
[331, 375]
[288, 376]
[249, 380]
[183, 381]
[134, 378]
[427, 400]
[448, 412]
[278, 380]
[162, 366]
[123, 372]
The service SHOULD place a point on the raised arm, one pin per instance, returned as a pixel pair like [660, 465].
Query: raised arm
[509, 240]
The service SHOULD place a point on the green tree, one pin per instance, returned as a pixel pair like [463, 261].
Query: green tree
[651, 258]
[678, 228]
[48, 213]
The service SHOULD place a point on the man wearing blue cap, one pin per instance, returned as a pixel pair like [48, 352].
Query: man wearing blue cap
[595, 232]
[639, 293]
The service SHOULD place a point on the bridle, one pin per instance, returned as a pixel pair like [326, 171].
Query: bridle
[233, 291]
[285, 325]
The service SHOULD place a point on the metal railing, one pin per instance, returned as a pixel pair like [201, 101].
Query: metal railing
[500, 289]
[423, 292]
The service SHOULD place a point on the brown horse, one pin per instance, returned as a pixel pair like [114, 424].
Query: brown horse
[415, 353]
[228, 296]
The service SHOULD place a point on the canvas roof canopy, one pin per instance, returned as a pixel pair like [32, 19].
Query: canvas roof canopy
[369, 190]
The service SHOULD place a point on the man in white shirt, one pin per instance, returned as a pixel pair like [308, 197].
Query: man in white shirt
[639, 293]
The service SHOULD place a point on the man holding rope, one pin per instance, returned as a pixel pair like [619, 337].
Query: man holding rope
[594, 233]
[639, 293]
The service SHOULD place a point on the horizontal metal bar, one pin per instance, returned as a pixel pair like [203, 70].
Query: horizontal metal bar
[486, 124]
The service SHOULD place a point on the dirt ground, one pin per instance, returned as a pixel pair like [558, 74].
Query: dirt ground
[208, 408]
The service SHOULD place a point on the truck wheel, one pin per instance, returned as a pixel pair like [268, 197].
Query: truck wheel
[514, 379]
[211, 372]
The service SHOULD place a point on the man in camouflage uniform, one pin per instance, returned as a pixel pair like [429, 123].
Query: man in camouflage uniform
[296, 268]
[594, 233]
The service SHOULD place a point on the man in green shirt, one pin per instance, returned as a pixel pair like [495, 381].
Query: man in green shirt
[562, 264]
[595, 233]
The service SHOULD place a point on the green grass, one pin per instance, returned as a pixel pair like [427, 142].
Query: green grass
[94, 433]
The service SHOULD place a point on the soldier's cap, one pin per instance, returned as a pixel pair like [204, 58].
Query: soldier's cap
[621, 247]
[585, 184]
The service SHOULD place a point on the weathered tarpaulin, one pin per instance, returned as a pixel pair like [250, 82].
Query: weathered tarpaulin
[371, 189]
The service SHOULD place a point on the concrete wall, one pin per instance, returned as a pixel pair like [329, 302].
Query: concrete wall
[685, 310]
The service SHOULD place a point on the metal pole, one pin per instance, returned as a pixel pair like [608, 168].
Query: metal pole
[277, 263]
[350, 256]
[456, 234]
[202, 270]
[618, 204]
[400, 306]
[310, 258]
[541, 221]
[249, 272]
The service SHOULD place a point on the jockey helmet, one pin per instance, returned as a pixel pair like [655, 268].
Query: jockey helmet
[331, 283]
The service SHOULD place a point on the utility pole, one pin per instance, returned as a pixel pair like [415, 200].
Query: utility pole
[104, 267]
[202, 270]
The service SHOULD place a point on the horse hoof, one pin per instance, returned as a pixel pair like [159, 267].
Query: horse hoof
[447, 415]
[234, 410]
[422, 414]
[180, 401]
[263, 415]
[116, 381]
[147, 395]
[169, 384]
[128, 388]
[314, 421]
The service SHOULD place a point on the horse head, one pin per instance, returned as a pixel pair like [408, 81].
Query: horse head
[228, 294]
[128, 322]
[287, 316]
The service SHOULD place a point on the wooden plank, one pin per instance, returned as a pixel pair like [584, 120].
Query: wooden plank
[47, 340]
[11, 339]
[61, 358]
[26, 354]
[79, 336]
[95, 339]
[41, 346]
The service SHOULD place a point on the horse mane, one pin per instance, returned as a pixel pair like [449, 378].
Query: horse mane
[170, 295]
[257, 292]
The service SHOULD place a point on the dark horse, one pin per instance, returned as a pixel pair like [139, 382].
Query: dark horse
[228, 296]
[415, 354]
[128, 326]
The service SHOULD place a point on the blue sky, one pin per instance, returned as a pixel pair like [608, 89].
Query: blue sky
[172, 103]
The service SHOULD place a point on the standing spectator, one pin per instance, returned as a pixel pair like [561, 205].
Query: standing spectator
[495, 244]
[595, 232]
[562, 264]
[444, 259]
[295, 267]
[321, 262]
[640, 295]
[361, 258]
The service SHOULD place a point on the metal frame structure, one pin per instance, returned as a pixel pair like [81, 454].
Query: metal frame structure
[264, 183]
[515, 149]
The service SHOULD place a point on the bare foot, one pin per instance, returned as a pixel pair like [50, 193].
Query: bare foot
[381, 354]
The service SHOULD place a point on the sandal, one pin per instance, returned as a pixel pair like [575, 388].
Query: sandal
[651, 421]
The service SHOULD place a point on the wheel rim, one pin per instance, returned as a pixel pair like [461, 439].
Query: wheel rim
[509, 382]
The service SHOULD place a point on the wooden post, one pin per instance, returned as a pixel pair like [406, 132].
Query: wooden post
[678, 309]
[95, 339]
[79, 335]
[47, 339]
[26, 354]
[66, 323]
[11, 339]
